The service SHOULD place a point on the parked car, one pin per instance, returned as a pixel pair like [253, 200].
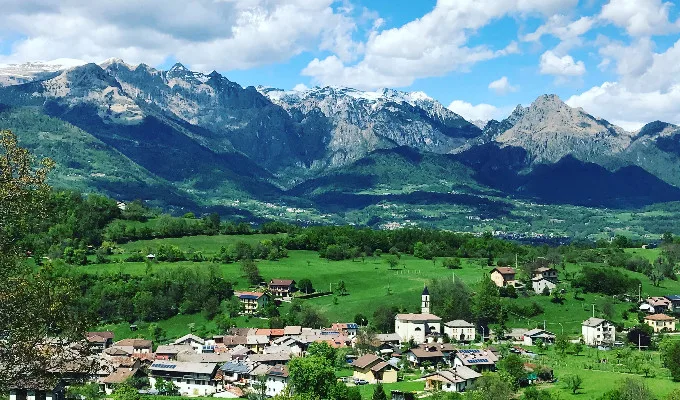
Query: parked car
[360, 382]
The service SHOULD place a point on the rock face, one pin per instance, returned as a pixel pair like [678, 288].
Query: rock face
[16, 74]
[549, 130]
[351, 123]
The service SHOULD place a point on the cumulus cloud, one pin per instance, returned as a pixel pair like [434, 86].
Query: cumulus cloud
[205, 34]
[640, 17]
[552, 64]
[648, 87]
[561, 27]
[433, 45]
[478, 112]
[300, 87]
[502, 86]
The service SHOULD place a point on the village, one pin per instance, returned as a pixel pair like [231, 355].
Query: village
[446, 356]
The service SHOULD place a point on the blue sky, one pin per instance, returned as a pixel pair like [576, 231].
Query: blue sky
[618, 59]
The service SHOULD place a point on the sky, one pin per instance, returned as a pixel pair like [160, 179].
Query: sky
[618, 59]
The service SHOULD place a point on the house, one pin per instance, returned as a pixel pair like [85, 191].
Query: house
[659, 304]
[374, 369]
[276, 380]
[230, 341]
[257, 342]
[456, 379]
[516, 334]
[539, 284]
[282, 287]
[425, 353]
[478, 360]
[192, 340]
[195, 379]
[460, 331]
[661, 322]
[252, 301]
[597, 331]
[348, 329]
[503, 276]
[34, 389]
[135, 346]
[530, 337]
[99, 341]
[292, 331]
[236, 372]
[270, 359]
[270, 333]
[240, 352]
[547, 273]
[416, 326]
[675, 302]
[170, 352]
[117, 377]
[293, 345]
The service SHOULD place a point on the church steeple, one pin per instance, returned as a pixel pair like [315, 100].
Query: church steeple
[425, 304]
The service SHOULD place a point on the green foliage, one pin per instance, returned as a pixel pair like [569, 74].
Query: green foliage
[486, 302]
[450, 300]
[574, 383]
[322, 350]
[166, 387]
[531, 393]
[379, 392]
[305, 286]
[630, 389]
[125, 392]
[492, 387]
[383, 318]
[512, 368]
[604, 280]
[251, 272]
[88, 391]
[311, 375]
[670, 355]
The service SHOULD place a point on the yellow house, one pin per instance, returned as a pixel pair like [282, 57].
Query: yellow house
[252, 301]
[503, 276]
[372, 368]
[661, 322]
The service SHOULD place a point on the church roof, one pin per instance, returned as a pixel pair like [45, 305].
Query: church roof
[425, 291]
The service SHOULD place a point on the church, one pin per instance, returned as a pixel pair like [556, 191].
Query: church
[418, 326]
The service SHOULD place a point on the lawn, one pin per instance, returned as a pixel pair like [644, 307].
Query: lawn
[405, 386]
[370, 283]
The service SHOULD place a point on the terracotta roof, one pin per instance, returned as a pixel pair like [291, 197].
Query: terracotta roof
[270, 332]
[119, 376]
[504, 270]
[380, 366]
[99, 336]
[135, 343]
[658, 301]
[660, 317]
[234, 340]
[281, 282]
[366, 360]
[292, 330]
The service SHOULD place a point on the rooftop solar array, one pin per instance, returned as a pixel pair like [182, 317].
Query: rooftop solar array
[478, 360]
[469, 351]
[168, 366]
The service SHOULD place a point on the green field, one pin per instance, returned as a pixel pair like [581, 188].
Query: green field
[369, 281]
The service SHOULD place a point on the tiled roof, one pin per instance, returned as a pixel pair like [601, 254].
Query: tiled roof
[119, 376]
[424, 353]
[281, 282]
[459, 323]
[504, 270]
[292, 330]
[185, 367]
[593, 322]
[418, 317]
[660, 317]
[366, 360]
[136, 343]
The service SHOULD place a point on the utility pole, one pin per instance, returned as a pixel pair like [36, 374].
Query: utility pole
[593, 310]
[516, 262]
[639, 293]
[543, 324]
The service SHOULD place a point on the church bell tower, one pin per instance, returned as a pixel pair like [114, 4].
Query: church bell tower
[425, 306]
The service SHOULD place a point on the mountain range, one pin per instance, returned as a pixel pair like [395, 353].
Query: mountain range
[189, 140]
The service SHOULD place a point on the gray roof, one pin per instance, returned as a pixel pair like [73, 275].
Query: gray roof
[292, 330]
[459, 323]
[457, 374]
[187, 367]
[257, 339]
[269, 357]
[204, 357]
[174, 349]
[237, 367]
[418, 317]
[538, 332]
[593, 322]
[388, 337]
[189, 337]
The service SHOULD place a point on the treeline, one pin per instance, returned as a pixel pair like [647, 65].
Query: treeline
[155, 296]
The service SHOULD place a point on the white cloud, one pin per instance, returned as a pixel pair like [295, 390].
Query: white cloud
[479, 112]
[205, 34]
[561, 27]
[648, 87]
[502, 86]
[552, 64]
[433, 45]
[640, 17]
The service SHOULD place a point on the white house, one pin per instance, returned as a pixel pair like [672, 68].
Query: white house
[597, 331]
[193, 379]
[456, 379]
[277, 379]
[460, 331]
[539, 284]
[418, 326]
[191, 340]
[530, 337]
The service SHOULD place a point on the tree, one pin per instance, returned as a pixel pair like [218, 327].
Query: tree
[88, 391]
[311, 375]
[251, 272]
[126, 392]
[577, 348]
[562, 343]
[492, 387]
[38, 308]
[574, 383]
[670, 355]
[366, 341]
[156, 333]
[305, 286]
[392, 261]
[360, 319]
[531, 393]
[450, 300]
[674, 395]
[452, 263]
[512, 368]
[342, 392]
[379, 392]
[341, 289]
[630, 389]
[486, 302]
[383, 318]
[166, 388]
[260, 388]
[322, 350]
